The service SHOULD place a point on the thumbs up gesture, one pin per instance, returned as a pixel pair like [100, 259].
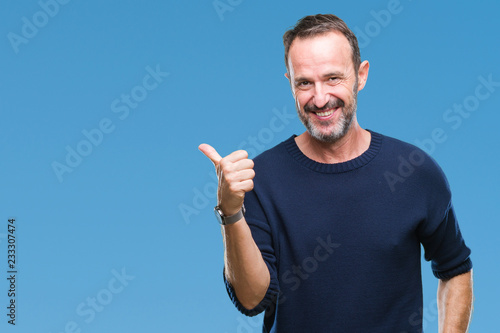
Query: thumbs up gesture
[235, 173]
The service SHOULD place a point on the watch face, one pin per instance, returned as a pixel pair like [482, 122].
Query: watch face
[218, 215]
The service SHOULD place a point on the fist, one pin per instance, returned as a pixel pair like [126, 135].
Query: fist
[235, 173]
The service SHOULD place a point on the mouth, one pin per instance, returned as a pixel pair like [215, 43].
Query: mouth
[325, 114]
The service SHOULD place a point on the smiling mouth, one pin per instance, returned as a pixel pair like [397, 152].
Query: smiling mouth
[325, 114]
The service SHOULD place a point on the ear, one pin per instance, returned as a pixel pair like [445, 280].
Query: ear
[290, 82]
[364, 67]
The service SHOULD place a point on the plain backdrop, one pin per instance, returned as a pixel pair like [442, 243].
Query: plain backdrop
[104, 103]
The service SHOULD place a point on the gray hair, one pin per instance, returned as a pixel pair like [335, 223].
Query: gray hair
[314, 25]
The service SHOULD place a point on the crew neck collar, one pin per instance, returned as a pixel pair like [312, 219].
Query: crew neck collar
[355, 163]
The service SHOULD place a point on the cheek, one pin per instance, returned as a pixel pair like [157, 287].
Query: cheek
[347, 90]
[302, 98]
[340, 91]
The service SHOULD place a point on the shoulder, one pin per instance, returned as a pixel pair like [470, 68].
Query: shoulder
[412, 163]
[396, 145]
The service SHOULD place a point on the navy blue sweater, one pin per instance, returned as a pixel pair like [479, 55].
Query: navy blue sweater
[342, 241]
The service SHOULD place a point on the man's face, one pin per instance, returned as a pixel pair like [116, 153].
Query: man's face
[324, 84]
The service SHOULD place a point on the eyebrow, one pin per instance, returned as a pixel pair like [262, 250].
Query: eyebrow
[338, 74]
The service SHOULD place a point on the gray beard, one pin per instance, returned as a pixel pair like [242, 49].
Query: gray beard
[341, 128]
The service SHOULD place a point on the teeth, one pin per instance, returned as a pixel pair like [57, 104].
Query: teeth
[324, 114]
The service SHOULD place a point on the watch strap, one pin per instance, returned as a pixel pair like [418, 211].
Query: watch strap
[225, 220]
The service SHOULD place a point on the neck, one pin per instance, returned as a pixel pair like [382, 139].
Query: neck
[352, 145]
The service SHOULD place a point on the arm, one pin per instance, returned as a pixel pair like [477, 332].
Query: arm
[455, 303]
[245, 268]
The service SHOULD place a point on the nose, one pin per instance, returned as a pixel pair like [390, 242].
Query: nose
[320, 97]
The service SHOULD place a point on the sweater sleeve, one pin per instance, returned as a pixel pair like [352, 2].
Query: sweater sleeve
[440, 234]
[446, 248]
[261, 233]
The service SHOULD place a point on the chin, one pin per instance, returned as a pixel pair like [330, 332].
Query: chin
[331, 135]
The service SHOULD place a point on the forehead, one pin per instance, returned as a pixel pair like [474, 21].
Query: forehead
[330, 50]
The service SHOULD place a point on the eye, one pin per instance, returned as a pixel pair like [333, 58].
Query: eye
[333, 78]
[303, 83]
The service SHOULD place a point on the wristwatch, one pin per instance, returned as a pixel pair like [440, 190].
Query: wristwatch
[225, 220]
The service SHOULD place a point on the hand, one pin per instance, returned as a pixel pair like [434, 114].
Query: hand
[235, 173]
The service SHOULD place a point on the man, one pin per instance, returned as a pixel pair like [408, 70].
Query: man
[328, 243]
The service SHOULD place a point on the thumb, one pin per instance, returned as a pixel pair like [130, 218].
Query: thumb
[210, 152]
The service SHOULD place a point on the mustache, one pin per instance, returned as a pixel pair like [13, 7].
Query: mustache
[332, 103]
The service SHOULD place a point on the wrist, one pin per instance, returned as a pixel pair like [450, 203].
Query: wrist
[227, 211]
[226, 219]
[230, 206]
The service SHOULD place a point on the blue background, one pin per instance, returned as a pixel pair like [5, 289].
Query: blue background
[141, 200]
